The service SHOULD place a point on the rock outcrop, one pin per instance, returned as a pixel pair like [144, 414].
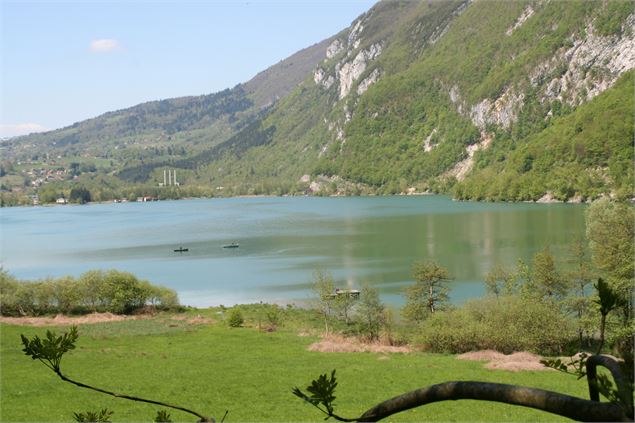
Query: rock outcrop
[527, 13]
[502, 112]
[346, 72]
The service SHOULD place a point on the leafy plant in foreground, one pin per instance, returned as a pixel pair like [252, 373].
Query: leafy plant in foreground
[162, 417]
[51, 349]
[322, 396]
[102, 416]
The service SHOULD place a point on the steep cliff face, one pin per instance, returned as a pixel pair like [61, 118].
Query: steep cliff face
[591, 65]
[588, 65]
[345, 62]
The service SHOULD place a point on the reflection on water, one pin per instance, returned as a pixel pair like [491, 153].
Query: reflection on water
[360, 240]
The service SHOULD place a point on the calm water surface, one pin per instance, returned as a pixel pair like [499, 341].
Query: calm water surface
[359, 240]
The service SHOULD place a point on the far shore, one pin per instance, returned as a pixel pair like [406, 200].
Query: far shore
[546, 199]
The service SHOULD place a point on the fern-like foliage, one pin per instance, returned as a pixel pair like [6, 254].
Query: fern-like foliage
[102, 416]
[162, 417]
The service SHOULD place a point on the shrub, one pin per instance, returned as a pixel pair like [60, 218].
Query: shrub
[274, 316]
[8, 293]
[505, 324]
[371, 313]
[124, 291]
[235, 319]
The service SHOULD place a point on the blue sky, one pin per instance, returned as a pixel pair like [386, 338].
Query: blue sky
[66, 61]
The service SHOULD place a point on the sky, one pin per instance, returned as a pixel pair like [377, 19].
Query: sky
[65, 61]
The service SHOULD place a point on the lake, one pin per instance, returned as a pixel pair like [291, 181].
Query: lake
[359, 240]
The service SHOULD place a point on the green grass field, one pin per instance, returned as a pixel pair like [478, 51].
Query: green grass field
[211, 368]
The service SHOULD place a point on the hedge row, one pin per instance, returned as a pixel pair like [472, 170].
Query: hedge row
[94, 291]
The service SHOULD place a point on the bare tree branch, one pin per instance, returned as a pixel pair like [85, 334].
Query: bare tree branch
[133, 398]
[615, 367]
[552, 402]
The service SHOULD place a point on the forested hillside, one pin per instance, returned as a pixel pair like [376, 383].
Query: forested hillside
[487, 100]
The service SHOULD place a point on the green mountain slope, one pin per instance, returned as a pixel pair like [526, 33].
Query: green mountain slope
[454, 79]
[494, 100]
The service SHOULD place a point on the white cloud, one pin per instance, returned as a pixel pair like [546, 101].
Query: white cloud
[104, 45]
[8, 130]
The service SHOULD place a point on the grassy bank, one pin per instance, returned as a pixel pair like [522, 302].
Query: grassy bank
[209, 367]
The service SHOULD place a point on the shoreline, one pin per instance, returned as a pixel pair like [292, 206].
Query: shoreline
[546, 199]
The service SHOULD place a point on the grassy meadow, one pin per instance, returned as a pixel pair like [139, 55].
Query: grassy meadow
[210, 368]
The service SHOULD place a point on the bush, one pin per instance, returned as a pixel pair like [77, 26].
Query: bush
[504, 324]
[8, 293]
[274, 316]
[235, 319]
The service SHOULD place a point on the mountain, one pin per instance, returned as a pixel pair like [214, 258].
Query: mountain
[488, 100]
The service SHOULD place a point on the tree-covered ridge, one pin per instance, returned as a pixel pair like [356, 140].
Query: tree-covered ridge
[412, 96]
[490, 75]
[163, 118]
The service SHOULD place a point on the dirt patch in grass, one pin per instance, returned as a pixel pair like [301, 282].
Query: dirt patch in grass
[515, 362]
[200, 320]
[337, 343]
[61, 320]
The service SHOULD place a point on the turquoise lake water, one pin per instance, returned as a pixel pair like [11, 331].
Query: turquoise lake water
[359, 240]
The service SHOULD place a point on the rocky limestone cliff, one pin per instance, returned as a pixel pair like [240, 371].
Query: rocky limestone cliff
[346, 71]
[463, 168]
[574, 75]
[591, 65]
[349, 72]
[502, 112]
[368, 81]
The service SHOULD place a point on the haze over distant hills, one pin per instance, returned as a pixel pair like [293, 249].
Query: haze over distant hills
[495, 100]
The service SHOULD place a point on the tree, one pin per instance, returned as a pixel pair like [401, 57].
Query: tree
[545, 279]
[500, 281]
[343, 304]
[370, 312]
[610, 229]
[79, 195]
[579, 302]
[122, 292]
[91, 285]
[428, 294]
[324, 295]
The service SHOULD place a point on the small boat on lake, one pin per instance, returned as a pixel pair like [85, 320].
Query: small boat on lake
[232, 245]
[353, 293]
[181, 250]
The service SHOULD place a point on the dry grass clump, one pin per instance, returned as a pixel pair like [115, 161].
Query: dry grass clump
[483, 355]
[338, 343]
[200, 320]
[60, 319]
[87, 319]
[515, 362]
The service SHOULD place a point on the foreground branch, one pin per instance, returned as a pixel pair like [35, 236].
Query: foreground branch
[133, 398]
[552, 402]
[624, 389]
